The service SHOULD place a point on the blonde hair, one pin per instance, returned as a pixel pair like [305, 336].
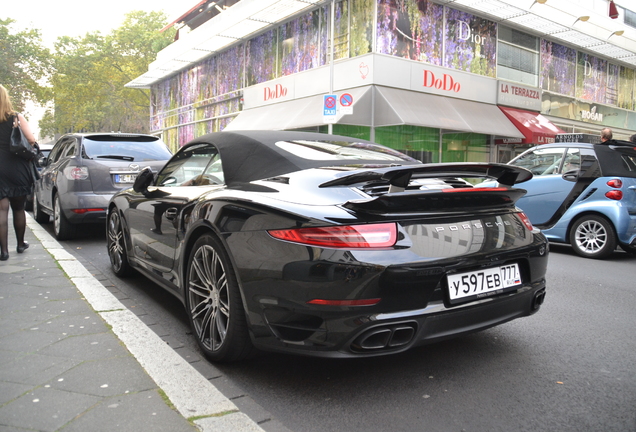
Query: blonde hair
[6, 107]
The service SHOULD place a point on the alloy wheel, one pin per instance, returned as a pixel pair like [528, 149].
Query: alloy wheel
[208, 298]
[116, 249]
[593, 236]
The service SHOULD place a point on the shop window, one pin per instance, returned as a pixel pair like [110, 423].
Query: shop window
[465, 147]
[518, 57]
[420, 143]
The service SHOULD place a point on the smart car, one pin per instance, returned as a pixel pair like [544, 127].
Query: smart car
[582, 194]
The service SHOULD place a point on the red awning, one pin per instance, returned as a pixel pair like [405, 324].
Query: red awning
[535, 128]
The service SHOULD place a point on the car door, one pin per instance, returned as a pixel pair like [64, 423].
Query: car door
[547, 190]
[56, 162]
[157, 218]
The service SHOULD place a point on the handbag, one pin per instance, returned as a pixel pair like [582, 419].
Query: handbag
[19, 145]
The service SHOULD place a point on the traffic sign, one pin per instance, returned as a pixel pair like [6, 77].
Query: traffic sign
[346, 103]
[329, 108]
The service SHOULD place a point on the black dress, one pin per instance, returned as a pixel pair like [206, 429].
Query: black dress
[16, 177]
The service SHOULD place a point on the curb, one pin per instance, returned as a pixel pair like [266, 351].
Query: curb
[190, 392]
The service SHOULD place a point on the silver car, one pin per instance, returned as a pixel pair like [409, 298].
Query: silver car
[84, 170]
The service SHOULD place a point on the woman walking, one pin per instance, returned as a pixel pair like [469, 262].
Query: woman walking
[16, 178]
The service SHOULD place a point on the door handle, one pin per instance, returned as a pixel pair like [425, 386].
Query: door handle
[171, 213]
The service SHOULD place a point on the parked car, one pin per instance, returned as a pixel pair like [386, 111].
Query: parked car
[327, 245]
[582, 194]
[83, 171]
[45, 149]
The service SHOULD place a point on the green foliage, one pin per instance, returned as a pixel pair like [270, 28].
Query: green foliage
[24, 64]
[90, 74]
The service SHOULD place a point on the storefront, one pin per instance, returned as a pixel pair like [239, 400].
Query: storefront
[439, 84]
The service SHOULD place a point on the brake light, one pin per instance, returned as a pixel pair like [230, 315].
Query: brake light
[615, 183]
[525, 220]
[76, 173]
[342, 237]
[614, 195]
[362, 302]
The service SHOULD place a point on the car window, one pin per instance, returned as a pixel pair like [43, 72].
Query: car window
[572, 160]
[128, 150]
[542, 161]
[199, 165]
[59, 149]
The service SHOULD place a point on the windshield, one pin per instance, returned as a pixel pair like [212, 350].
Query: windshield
[138, 151]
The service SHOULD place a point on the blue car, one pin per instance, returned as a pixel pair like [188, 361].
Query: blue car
[582, 194]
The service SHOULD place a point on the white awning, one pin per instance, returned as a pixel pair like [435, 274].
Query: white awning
[395, 107]
[392, 107]
[301, 113]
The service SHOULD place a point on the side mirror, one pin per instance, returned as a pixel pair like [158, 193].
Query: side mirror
[144, 179]
[42, 162]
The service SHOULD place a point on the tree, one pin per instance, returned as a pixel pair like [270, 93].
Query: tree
[24, 65]
[91, 73]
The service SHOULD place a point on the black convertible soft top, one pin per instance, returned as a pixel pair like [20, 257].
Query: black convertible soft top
[253, 155]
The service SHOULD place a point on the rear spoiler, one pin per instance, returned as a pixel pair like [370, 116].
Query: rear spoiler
[400, 176]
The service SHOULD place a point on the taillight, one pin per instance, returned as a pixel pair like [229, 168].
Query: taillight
[342, 237]
[614, 195]
[76, 173]
[525, 220]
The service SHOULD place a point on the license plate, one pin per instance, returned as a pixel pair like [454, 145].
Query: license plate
[125, 178]
[482, 283]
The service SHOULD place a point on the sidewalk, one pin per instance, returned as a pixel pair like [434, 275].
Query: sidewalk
[73, 357]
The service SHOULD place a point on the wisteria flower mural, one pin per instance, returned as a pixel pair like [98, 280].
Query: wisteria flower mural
[471, 43]
[558, 64]
[411, 29]
[591, 78]
[626, 88]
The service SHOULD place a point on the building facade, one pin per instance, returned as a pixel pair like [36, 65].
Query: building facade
[441, 81]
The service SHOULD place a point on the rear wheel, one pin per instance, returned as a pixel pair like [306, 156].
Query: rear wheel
[214, 304]
[38, 214]
[61, 226]
[593, 237]
[116, 246]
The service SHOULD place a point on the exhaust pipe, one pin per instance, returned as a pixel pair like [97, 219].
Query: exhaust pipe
[538, 299]
[385, 337]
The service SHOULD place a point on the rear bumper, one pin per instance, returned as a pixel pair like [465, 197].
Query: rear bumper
[83, 201]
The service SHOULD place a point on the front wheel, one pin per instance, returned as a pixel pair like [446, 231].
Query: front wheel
[214, 305]
[116, 246]
[593, 237]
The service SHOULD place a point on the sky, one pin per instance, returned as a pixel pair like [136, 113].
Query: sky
[75, 18]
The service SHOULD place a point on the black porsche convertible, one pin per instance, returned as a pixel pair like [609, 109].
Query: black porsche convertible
[326, 245]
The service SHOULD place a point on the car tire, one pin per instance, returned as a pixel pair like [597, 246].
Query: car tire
[38, 214]
[214, 305]
[116, 245]
[593, 236]
[61, 226]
